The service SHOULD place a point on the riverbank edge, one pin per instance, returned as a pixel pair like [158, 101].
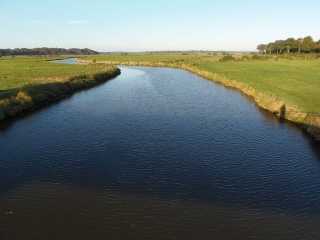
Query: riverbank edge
[33, 96]
[310, 122]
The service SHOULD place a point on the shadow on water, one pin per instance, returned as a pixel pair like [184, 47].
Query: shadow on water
[115, 171]
[282, 113]
[8, 122]
[297, 127]
[281, 118]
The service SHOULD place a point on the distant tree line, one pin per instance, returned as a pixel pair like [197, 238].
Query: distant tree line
[46, 51]
[291, 45]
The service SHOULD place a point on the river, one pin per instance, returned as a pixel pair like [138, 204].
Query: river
[67, 61]
[157, 153]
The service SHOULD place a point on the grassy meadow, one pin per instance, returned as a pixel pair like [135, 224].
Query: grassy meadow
[26, 82]
[282, 84]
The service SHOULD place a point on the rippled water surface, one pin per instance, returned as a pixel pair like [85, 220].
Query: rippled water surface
[157, 153]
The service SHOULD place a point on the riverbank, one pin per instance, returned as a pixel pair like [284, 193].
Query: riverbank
[16, 100]
[280, 98]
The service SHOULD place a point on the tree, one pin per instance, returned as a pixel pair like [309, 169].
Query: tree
[278, 46]
[270, 47]
[262, 48]
[298, 44]
[318, 47]
[306, 44]
[288, 44]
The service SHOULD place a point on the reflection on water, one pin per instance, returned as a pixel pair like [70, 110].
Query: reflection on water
[68, 61]
[128, 215]
[157, 153]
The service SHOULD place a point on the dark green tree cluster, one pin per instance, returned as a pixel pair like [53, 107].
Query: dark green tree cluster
[46, 51]
[291, 45]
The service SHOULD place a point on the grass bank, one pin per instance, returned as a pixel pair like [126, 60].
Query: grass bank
[28, 82]
[288, 88]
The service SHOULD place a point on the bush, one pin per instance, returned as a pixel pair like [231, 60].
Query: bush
[245, 58]
[227, 58]
[264, 57]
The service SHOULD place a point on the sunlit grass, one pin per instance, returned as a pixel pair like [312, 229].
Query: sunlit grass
[18, 71]
[190, 57]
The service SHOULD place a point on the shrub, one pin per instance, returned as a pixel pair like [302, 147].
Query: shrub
[264, 57]
[227, 58]
[245, 58]
[21, 97]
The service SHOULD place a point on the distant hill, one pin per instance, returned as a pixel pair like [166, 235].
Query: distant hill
[46, 51]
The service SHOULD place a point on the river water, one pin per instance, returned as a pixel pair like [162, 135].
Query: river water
[157, 153]
[67, 61]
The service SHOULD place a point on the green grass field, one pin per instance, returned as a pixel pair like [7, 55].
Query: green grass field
[19, 71]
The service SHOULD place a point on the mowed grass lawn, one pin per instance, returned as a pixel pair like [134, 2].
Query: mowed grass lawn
[15, 72]
[190, 58]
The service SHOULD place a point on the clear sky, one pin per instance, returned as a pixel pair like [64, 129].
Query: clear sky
[150, 25]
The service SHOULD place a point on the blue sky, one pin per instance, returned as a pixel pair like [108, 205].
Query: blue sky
[149, 25]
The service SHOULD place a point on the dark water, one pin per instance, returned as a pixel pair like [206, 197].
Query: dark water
[157, 153]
